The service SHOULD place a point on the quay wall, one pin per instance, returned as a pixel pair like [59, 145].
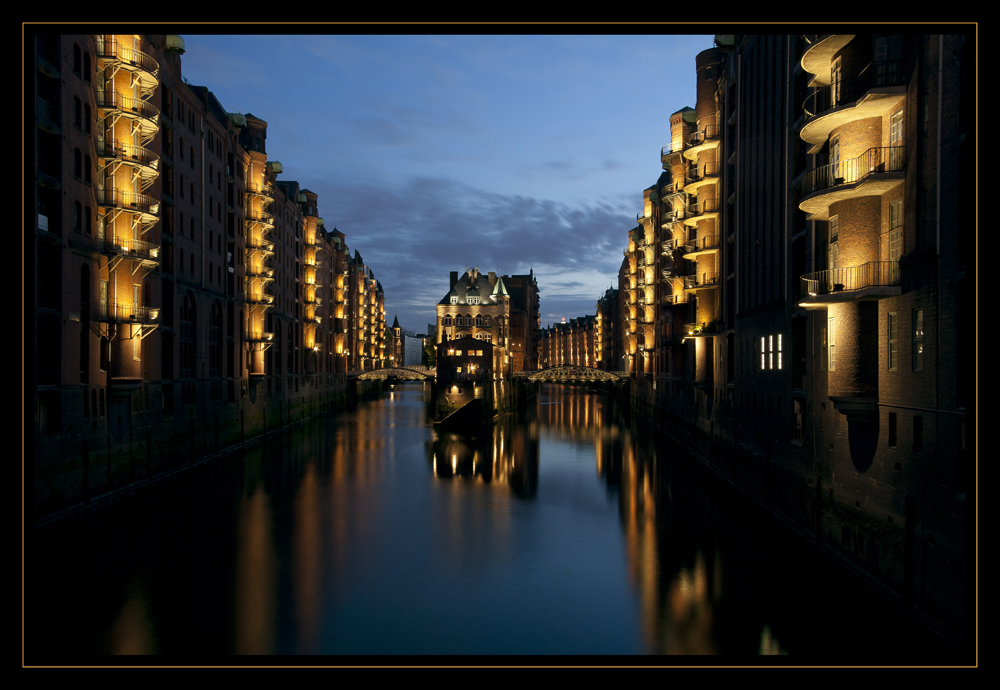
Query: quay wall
[165, 428]
[826, 484]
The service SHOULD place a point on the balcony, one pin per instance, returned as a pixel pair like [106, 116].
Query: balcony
[134, 202]
[708, 138]
[878, 87]
[146, 252]
[701, 210]
[144, 113]
[705, 328]
[144, 160]
[128, 313]
[701, 281]
[706, 245]
[872, 280]
[875, 172]
[132, 59]
[699, 176]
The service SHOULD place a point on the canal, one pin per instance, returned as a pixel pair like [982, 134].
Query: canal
[563, 531]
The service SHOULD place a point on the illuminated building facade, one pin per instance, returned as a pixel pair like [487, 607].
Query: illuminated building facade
[183, 297]
[524, 320]
[571, 343]
[799, 289]
[476, 305]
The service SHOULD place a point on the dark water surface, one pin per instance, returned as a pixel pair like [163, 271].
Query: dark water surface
[563, 531]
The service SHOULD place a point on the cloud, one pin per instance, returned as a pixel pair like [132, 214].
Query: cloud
[414, 233]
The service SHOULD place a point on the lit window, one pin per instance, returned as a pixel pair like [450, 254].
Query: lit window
[831, 344]
[892, 341]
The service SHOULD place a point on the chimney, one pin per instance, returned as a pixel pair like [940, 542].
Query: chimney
[454, 279]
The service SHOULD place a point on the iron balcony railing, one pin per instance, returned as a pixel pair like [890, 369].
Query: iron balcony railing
[112, 100]
[836, 280]
[709, 242]
[111, 49]
[709, 133]
[137, 249]
[696, 173]
[129, 152]
[849, 89]
[701, 207]
[700, 280]
[878, 159]
[132, 201]
[132, 313]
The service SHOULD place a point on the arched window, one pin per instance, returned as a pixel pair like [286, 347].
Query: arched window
[479, 319]
[446, 321]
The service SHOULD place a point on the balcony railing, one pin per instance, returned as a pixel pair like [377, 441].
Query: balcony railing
[137, 249]
[836, 280]
[112, 100]
[110, 49]
[128, 313]
[849, 89]
[702, 207]
[878, 159]
[129, 153]
[696, 173]
[709, 133]
[131, 201]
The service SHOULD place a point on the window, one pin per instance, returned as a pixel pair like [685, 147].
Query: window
[831, 343]
[834, 251]
[454, 299]
[896, 128]
[770, 352]
[835, 74]
[892, 429]
[895, 230]
[918, 434]
[918, 340]
[893, 354]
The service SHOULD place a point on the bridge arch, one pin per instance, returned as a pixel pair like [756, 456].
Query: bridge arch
[572, 374]
[405, 373]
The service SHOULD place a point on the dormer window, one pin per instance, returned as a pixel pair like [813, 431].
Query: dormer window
[454, 299]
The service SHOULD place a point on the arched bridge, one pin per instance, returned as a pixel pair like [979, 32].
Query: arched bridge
[402, 373]
[570, 374]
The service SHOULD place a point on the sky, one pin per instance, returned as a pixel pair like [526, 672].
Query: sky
[434, 153]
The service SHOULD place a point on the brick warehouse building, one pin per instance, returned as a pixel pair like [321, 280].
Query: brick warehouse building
[184, 298]
[799, 296]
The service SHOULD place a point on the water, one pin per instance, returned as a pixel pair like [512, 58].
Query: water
[563, 532]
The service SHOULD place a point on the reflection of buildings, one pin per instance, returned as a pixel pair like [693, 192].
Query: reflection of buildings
[798, 288]
[506, 456]
[184, 297]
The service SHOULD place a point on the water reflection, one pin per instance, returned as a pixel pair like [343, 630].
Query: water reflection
[563, 530]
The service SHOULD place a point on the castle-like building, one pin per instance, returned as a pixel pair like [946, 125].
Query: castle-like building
[183, 297]
[482, 307]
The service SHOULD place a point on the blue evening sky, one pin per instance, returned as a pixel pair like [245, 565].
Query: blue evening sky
[433, 153]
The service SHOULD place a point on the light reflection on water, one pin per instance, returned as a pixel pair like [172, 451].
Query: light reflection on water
[558, 531]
